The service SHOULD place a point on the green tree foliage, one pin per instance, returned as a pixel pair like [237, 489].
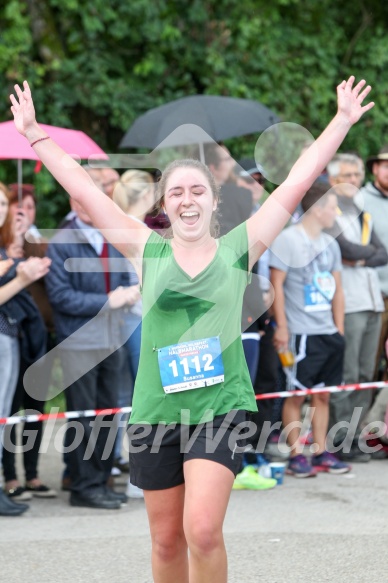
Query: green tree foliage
[96, 66]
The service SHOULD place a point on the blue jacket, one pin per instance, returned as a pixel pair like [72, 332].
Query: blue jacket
[76, 290]
[22, 310]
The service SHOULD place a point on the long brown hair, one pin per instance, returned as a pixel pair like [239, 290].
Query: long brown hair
[6, 231]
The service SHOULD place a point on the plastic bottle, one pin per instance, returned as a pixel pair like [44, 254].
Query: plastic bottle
[286, 357]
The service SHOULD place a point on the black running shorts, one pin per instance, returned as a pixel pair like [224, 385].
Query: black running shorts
[158, 452]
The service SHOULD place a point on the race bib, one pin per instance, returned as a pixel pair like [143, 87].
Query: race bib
[325, 284]
[318, 297]
[314, 301]
[191, 365]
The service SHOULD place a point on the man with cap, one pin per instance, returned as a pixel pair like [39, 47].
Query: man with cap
[375, 195]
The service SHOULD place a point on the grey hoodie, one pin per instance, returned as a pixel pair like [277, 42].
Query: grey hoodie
[377, 205]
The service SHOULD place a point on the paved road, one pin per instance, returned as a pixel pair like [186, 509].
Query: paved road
[326, 529]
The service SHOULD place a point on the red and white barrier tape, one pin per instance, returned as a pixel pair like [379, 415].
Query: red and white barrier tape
[332, 389]
[66, 415]
[96, 412]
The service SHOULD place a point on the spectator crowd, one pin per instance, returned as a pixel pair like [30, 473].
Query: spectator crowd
[315, 314]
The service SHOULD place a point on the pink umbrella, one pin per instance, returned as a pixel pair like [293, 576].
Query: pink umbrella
[14, 146]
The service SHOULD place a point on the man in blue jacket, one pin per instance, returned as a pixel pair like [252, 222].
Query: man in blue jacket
[89, 287]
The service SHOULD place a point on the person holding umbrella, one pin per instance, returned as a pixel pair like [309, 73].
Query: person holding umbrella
[193, 390]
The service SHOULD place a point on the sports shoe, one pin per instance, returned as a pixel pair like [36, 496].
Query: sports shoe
[256, 460]
[299, 467]
[327, 462]
[18, 494]
[40, 490]
[133, 491]
[249, 479]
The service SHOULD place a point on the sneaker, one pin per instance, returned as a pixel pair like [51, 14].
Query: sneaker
[133, 491]
[41, 490]
[249, 479]
[263, 467]
[299, 467]
[256, 460]
[115, 472]
[261, 459]
[327, 462]
[18, 494]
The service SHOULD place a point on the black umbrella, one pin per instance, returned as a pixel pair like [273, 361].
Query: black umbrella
[176, 123]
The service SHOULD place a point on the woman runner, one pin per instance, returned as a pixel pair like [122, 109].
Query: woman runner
[192, 286]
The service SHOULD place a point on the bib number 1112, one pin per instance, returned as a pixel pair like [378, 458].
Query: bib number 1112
[206, 363]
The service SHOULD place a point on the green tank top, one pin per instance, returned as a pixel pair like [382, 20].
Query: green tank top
[178, 308]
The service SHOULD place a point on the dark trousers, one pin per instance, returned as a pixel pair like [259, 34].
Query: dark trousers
[26, 398]
[89, 441]
[267, 381]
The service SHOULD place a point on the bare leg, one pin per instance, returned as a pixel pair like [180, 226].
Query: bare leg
[169, 547]
[291, 422]
[208, 487]
[320, 419]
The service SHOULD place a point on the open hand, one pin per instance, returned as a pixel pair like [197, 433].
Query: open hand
[23, 109]
[32, 269]
[350, 99]
[123, 296]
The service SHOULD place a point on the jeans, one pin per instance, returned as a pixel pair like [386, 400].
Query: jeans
[9, 370]
[32, 433]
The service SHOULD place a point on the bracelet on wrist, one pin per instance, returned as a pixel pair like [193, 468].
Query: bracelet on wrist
[39, 140]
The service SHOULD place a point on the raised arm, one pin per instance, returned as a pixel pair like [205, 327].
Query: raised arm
[127, 235]
[270, 219]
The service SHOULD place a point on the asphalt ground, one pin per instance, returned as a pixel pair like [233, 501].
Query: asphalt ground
[316, 530]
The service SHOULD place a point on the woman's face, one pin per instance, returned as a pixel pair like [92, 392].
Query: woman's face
[28, 205]
[3, 207]
[189, 203]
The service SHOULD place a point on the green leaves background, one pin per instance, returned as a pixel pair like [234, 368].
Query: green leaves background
[98, 65]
